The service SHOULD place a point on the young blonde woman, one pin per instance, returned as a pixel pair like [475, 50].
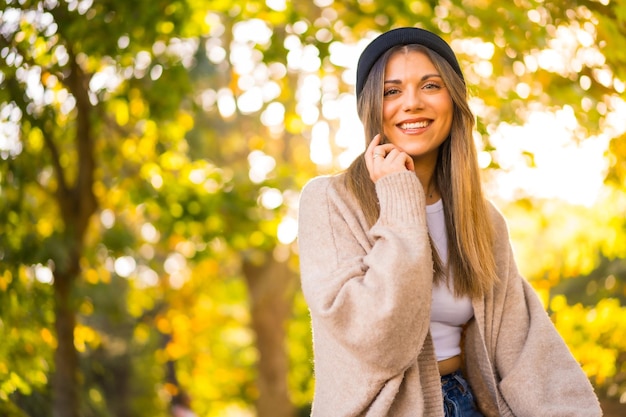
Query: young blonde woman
[416, 303]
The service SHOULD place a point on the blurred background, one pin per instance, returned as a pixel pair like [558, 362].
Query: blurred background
[151, 157]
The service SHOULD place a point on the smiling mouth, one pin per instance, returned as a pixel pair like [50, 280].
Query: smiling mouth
[414, 125]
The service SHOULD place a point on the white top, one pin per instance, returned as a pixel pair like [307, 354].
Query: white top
[448, 313]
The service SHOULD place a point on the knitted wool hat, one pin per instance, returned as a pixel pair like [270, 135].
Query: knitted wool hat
[401, 36]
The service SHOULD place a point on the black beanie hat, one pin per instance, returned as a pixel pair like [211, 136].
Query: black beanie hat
[401, 36]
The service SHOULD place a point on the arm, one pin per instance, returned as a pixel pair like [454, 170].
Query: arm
[369, 290]
[538, 374]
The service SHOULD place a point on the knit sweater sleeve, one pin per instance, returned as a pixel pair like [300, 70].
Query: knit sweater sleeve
[538, 374]
[368, 291]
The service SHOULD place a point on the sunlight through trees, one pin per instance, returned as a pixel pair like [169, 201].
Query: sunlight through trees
[151, 157]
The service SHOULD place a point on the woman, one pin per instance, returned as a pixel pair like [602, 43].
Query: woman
[417, 306]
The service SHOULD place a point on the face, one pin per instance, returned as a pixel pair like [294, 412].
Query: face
[417, 107]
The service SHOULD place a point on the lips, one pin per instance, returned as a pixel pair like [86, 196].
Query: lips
[414, 125]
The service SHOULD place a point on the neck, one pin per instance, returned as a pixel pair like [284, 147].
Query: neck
[427, 179]
[425, 171]
[432, 193]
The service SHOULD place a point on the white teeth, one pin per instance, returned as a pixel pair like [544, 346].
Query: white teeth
[415, 125]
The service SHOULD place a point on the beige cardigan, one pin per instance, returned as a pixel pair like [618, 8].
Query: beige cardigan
[369, 295]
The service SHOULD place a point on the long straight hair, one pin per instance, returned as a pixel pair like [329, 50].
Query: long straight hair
[469, 231]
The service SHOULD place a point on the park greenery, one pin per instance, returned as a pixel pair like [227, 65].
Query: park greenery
[151, 157]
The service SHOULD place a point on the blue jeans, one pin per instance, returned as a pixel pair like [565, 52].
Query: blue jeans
[458, 400]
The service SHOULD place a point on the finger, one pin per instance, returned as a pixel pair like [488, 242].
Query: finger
[369, 153]
[386, 148]
[409, 164]
[391, 154]
[373, 144]
[397, 160]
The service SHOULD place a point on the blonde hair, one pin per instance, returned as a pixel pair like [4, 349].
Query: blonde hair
[469, 230]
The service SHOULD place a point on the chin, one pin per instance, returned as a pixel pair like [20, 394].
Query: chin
[416, 153]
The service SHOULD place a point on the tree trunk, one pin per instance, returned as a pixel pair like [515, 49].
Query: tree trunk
[65, 395]
[77, 203]
[272, 288]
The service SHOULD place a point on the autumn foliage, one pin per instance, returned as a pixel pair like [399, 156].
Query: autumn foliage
[151, 157]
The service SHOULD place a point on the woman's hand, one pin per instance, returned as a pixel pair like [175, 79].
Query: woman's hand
[386, 159]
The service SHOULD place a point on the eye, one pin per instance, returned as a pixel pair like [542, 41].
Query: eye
[391, 91]
[431, 86]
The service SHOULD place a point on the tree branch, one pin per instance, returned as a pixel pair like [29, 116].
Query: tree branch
[56, 158]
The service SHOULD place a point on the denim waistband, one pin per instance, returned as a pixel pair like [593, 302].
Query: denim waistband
[450, 376]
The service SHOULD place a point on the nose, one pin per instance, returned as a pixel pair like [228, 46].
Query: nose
[412, 100]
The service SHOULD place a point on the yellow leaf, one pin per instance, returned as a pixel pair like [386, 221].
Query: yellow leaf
[163, 325]
[558, 303]
[44, 227]
[5, 279]
[141, 334]
[121, 112]
[91, 276]
[185, 121]
[35, 140]
[48, 338]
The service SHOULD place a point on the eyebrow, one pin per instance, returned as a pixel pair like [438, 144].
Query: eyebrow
[424, 78]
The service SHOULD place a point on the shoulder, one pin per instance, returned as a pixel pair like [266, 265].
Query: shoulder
[316, 185]
[323, 187]
[498, 221]
[325, 181]
[327, 198]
